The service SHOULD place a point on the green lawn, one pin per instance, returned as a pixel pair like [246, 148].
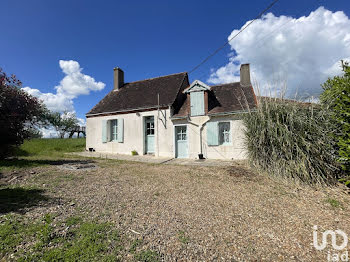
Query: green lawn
[51, 147]
[39, 152]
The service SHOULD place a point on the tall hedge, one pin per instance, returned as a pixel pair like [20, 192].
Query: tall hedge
[291, 139]
[336, 96]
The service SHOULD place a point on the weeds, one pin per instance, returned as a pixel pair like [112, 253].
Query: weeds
[334, 203]
[183, 238]
[80, 241]
[147, 256]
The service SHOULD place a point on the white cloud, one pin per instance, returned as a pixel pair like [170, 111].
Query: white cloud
[74, 84]
[301, 52]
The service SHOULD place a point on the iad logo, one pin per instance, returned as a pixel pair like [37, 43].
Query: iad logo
[333, 233]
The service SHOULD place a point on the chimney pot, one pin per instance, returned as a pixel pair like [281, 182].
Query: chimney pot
[245, 75]
[118, 78]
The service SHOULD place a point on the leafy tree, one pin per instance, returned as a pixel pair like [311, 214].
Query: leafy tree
[336, 95]
[19, 114]
[63, 123]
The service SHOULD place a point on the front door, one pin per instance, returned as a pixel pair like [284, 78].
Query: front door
[149, 135]
[181, 142]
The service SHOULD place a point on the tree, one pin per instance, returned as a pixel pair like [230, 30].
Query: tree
[19, 114]
[63, 123]
[336, 95]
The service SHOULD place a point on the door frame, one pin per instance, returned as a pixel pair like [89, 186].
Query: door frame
[188, 139]
[144, 129]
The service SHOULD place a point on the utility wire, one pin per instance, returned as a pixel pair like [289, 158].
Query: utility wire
[262, 41]
[240, 31]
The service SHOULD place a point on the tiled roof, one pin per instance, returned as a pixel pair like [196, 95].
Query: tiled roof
[225, 98]
[142, 94]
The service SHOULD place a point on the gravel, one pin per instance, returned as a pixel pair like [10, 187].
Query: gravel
[193, 212]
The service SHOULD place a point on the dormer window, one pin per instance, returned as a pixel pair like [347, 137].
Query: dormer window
[197, 94]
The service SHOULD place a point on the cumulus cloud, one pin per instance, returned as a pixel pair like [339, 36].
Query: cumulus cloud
[74, 84]
[299, 52]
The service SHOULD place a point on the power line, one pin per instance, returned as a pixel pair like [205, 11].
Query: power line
[240, 31]
[262, 41]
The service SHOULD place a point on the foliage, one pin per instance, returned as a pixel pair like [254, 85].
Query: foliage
[19, 114]
[63, 123]
[291, 139]
[134, 153]
[34, 133]
[336, 96]
[53, 241]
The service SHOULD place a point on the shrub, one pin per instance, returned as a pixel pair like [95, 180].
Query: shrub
[336, 96]
[291, 139]
[134, 153]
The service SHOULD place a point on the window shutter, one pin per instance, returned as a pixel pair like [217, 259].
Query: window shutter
[197, 103]
[104, 131]
[212, 133]
[120, 130]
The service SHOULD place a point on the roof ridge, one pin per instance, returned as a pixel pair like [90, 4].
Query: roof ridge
[156, 77]
[225, 84]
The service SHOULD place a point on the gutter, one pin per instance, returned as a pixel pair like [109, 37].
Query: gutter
[129, 110]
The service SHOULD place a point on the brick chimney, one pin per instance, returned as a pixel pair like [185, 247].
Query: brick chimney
[118, 78]
[245, 75]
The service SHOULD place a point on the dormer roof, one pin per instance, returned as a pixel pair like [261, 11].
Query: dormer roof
[197, 86]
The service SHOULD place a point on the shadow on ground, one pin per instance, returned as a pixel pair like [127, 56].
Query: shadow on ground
[19, 198]
[14, 162]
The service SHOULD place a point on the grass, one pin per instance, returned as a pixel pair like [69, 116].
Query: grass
[51, 147]
[147, 256]
[70, 240]
[40, 152]
[15, 199]
[183, 238]
[334, 203]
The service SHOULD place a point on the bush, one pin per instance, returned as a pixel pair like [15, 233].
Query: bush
[291, 139]
[336, 96]
[134, 153]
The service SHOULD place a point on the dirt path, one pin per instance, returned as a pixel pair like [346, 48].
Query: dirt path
[195, 213]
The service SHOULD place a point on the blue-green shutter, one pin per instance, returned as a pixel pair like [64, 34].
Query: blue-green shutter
[197, 103]
[212, 133]
[104, 131]
[120, 130]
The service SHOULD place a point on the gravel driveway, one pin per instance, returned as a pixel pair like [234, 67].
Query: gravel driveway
[196, 213]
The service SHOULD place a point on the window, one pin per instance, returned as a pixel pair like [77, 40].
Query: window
[181, 133]
[150, 128]
[224, 133]
[197, 103]
[114, 130]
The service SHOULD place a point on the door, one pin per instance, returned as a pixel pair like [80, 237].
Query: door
[181, 142]
[149, 135]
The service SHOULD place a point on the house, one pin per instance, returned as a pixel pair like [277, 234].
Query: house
[169, 117]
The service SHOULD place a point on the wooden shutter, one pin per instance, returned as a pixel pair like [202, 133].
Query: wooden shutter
[120, 130]
[212, 134]
[104, 131]
[197, 103]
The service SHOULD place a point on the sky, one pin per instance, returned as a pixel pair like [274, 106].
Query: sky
[64, 52]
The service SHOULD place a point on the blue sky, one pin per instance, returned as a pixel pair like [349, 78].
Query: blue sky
[145, 38]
